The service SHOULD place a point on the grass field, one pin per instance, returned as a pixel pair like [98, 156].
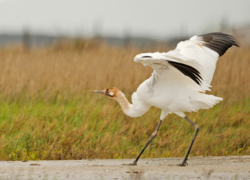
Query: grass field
[47, 111]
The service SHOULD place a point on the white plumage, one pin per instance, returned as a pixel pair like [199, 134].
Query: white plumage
[171, 90]
[179, 80]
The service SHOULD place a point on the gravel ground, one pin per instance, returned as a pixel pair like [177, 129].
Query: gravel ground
[230, 167]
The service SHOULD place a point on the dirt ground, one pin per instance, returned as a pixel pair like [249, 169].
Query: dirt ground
[230, 167]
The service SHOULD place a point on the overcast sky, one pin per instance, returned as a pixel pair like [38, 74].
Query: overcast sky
[158, 18]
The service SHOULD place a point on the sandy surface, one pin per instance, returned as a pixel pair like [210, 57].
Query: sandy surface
[236, 167]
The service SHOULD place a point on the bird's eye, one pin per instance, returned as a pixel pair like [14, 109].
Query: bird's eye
[108, 93]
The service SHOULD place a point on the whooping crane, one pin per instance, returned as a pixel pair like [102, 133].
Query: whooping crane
[179, 81]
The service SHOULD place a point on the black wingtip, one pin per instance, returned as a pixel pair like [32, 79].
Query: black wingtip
[189, 71]
[219, 42]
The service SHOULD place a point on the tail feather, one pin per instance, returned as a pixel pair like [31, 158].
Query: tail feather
[206, 101]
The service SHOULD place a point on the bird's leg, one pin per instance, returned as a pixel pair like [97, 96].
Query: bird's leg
[149, 141]
[184, 163]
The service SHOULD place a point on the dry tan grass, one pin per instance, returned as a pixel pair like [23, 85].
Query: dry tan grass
[98, 66]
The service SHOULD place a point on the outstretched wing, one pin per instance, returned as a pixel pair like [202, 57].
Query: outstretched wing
[159, 63]
[200, 52]
[203, 50]
[218, 42]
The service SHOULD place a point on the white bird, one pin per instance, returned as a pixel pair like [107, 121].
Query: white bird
[179, 81]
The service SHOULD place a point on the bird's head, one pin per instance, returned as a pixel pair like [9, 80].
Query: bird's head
[112, 92]
[117, 95]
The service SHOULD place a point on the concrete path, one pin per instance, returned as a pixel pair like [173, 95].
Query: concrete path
[230, 167]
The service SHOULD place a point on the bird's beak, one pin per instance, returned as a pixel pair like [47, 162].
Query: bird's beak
[99, 91]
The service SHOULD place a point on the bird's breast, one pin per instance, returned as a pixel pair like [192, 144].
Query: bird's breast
[160, 95]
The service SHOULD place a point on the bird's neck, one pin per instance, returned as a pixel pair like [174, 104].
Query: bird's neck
[136, 109]
[124, 103]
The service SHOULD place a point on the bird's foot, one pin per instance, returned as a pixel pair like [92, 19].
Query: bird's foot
[131, 164]
[182, 164]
